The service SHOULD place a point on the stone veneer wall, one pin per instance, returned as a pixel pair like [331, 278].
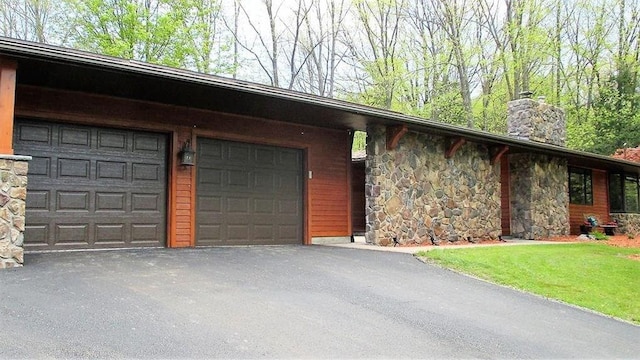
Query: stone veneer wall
[414, 191]
[532, 120]
[539, 194]
[627, 223]
[13, 195]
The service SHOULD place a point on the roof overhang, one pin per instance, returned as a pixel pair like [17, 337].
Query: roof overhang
[61, 68]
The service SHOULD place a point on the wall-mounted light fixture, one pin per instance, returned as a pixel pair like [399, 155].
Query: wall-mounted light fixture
[187, 154]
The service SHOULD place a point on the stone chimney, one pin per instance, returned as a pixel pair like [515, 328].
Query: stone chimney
[538, 184]
[528, 119]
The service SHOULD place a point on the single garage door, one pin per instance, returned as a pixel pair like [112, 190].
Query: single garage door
[248, 194]
[92, 187]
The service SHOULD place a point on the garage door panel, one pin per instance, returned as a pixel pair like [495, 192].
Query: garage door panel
[237, 153]
[93, 187]
[111, 201]
[72, 201]
[289, 182]
[211, 204]
[146, 202]
[210, 151]
[109, 140]
[146, 143]
[39, 166]
[288, 159]
[74, 168]
[72, 233]
[78, 138]
[110, 233]
[264, 206]
[38, 200]
[257, 194]
[37, 234]
[146, 172]
[146, 233]
[35, 134]
[265, 157]
[238, 180]
[111, 170]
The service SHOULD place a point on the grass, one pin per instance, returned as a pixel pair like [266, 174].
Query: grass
[591, 275]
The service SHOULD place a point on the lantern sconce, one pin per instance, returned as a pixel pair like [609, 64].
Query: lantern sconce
[186, 154]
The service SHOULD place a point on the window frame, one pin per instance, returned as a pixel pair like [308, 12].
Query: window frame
[621, 186]
[586, 192]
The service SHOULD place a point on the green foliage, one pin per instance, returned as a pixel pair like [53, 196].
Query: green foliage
[359, 140]
[598, 235]
[177, 33]
[617, 122]
[595, 276]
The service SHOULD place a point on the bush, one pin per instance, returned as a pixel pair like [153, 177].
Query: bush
[599, 235]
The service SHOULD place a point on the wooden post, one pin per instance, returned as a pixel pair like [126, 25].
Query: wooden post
[7, 104]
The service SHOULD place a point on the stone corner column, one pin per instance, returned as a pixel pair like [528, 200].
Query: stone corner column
[13, 196]
[376, 142]
[539, 196]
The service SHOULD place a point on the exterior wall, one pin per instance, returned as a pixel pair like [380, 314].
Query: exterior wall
[539, 196]
[327, 194]
[532, 120]
[627, 223]
[505, 205]
[13, 194]
[413, 192]
[599, 208]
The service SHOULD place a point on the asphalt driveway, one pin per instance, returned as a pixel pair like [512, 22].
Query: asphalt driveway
[285, 301]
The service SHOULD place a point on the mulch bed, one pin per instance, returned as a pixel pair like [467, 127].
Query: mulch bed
[616, 240]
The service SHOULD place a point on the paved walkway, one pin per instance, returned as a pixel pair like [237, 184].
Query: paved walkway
[360, 244]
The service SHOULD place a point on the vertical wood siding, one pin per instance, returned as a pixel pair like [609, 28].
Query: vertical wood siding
[600, 207]
[327, 194]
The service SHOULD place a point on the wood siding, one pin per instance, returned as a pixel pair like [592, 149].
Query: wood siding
[7, 98]
[600, 207]
[327, 194]
[505, 198]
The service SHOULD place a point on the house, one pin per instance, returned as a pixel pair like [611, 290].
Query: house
[92, 157]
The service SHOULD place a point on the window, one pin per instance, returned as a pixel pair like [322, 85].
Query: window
[624, 192]
[616, 193]
[580, 188]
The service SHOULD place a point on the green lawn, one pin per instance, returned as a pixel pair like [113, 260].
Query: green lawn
[591, 275]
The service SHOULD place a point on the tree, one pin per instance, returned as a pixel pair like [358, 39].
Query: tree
[453, 19]
[41, 21]
[320, 45]
[204, 47]
[146, 30]
[376, 50]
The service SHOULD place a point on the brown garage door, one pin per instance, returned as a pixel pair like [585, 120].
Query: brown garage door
[248, 194]
[93, 187]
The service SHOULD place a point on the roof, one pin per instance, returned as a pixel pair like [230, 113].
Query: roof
[68, 69]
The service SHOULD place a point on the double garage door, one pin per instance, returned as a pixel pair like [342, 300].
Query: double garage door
[92, 187]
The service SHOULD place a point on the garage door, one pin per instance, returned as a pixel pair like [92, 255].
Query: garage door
[248, 194]
[93, 187]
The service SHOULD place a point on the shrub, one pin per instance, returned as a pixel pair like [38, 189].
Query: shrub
[599, 235]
